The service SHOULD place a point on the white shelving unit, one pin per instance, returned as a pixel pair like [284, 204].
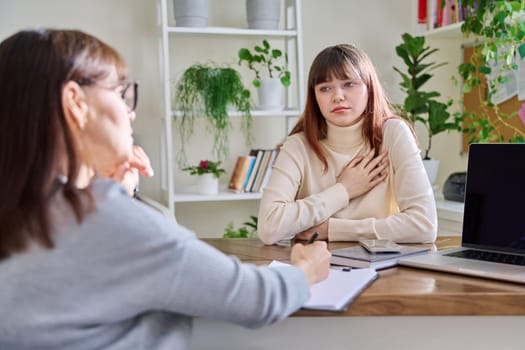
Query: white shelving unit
[292, 37]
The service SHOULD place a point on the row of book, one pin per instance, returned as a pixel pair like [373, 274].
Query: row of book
[439, 13]
[252, 172]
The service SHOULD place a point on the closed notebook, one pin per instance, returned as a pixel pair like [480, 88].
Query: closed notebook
[357, 256]
[338, 290]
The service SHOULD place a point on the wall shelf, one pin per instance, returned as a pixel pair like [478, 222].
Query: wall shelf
[223, 195]
[170, 48]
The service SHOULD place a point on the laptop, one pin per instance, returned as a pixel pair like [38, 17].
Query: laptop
[493, 236]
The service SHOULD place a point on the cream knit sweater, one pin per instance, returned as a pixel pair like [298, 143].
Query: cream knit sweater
[300, 194]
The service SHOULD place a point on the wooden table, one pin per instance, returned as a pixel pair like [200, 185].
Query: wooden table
[404, 308]
[404, 291]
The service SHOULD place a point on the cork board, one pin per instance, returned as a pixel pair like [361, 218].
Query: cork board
[472, 103]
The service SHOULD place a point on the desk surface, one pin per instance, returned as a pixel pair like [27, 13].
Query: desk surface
[403, 291]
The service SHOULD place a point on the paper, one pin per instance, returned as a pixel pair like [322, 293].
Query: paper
[338, 290]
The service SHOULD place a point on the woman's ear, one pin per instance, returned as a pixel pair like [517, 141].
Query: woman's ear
[74, 104]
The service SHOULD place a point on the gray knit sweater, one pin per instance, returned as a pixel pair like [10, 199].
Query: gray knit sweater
[128, 278]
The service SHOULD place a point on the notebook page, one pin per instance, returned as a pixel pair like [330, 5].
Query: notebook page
[339, 289]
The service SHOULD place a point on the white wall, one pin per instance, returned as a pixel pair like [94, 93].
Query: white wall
[131, 26]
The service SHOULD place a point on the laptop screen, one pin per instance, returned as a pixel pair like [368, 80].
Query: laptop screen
[494, 216]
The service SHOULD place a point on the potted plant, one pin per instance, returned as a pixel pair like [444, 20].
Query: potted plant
[271, 73]
[422, 106]
[249, 230]
[499, 27]
[208, 173]
[210, 91]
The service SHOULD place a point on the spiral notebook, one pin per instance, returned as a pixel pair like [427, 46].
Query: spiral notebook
[338, 290]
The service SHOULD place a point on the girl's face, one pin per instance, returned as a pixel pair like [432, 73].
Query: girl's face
[342, 102]
[108, 135]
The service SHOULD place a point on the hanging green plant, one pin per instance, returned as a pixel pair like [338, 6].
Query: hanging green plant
[210, 91]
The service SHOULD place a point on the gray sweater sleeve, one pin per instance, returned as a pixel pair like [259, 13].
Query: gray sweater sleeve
[147, 262]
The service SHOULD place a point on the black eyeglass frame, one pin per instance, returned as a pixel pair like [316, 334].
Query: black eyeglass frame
[131, 103]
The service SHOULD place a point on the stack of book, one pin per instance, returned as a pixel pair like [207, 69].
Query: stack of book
[439, 13]
[252, 172]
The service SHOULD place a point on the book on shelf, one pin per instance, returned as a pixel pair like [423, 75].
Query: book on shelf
[251, 172]
[258, 154]
[338, 290]
[248, 174]
[261, 171]
[358, 257]
[240, 172]
[441, 13]
[268, 171]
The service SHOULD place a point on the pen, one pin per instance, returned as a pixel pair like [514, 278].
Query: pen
[313, 238]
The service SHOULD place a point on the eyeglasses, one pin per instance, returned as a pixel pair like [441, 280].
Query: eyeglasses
[129, 93]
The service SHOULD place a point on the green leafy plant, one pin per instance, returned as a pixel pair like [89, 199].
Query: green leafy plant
[265, 61]
[499, 27]
[419, 105]
[206, 167]
[247, 231]
[209, 91]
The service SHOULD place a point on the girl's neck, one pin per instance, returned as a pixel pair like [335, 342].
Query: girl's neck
[344, 138]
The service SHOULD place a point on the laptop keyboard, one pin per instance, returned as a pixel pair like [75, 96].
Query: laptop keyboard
[490, 256]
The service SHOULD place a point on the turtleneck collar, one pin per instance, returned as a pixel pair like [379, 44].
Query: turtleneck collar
[344, 138]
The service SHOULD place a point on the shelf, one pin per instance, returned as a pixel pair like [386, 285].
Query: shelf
[451, 31]
[258, 113]
[232, 31]
[187, 197]
[290, 33]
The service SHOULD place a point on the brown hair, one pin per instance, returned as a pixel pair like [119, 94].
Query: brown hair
[35, 140]
[343, 61]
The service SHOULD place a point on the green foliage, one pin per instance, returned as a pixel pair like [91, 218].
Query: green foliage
[496, 24]
[422, 106]
[206, 167]
[243, 232]
[265, 59]
[208, 90]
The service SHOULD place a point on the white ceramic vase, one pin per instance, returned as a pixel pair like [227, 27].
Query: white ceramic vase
[432, 168]
[263, 14]
[207, 184]
[270, 94]
[191, 13]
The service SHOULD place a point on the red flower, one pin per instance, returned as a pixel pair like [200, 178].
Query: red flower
[206, 167]
[203, 164]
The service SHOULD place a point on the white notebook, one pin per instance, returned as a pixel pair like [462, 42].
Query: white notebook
[337, 291]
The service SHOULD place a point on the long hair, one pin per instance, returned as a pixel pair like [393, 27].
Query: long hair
[36, 144]
[342, 62]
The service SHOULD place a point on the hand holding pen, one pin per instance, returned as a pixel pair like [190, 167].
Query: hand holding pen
[313, 258]
[313, 238]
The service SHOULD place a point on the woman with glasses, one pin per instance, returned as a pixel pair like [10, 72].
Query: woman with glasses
[82, 265]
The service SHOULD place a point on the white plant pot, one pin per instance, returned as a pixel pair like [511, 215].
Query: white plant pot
[191, 13]
[270, 94]
[432, 168]
[263, 14]
[207, 184]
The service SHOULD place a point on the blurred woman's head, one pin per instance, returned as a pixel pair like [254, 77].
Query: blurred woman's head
[62, 110]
